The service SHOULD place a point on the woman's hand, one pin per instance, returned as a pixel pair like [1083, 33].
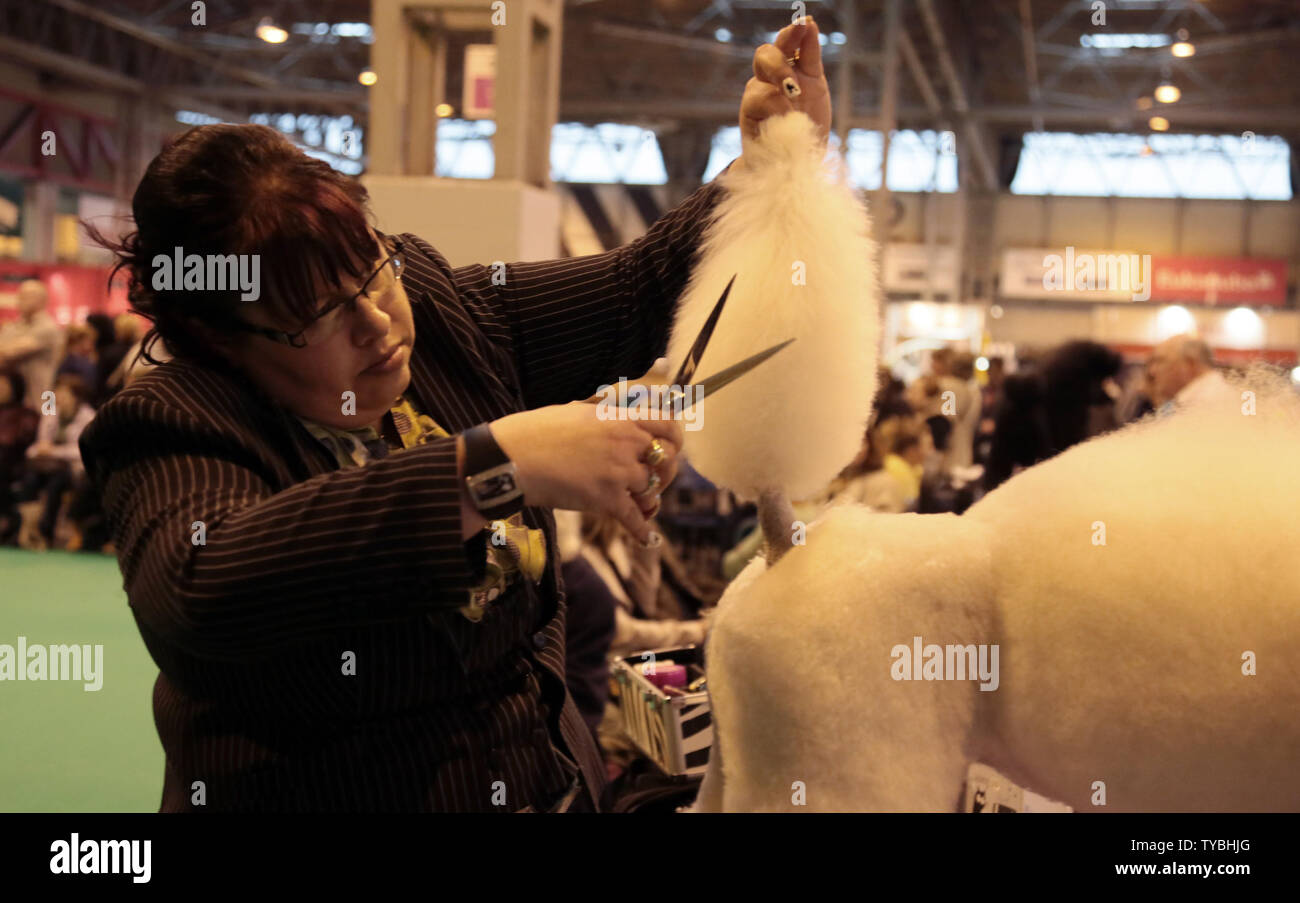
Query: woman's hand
[766, 93]
[567, 457]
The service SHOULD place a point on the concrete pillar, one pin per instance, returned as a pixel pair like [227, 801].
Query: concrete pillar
[427, 51]
[40, 204]
[888, 109]
[514, 215]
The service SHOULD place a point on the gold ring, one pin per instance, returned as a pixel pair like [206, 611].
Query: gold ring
[793, 59]
[655, 455]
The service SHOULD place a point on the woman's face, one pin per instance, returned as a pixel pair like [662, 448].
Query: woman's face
[65, 401]
[368, 353]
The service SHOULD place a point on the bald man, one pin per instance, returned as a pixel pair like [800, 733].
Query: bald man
[1182, 372]
[33, 343]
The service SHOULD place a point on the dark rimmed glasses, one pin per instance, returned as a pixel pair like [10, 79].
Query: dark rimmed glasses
[327, 322]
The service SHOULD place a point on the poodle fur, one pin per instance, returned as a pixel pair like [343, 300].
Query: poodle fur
[795, 235]
[1124, 582]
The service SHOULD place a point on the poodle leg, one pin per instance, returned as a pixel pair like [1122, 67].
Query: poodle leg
[776, 517]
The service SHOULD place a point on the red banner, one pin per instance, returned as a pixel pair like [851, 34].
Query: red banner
[74, 291]
[1219, 280]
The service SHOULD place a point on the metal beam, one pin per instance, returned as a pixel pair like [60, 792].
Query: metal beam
[68, 67]
[84, 73]
[1107, 118]
[946, 65]
[888, 115]
[668, 39]
[975, 139]
[919, 75]
[844, 73]
[1031, 57]
[346, 100]
[147, 36]
[1158, 56]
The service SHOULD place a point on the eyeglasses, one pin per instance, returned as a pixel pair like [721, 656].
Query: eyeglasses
[327, 322]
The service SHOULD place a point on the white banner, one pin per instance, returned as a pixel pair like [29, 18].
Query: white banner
[920, 268]
[1075, 274]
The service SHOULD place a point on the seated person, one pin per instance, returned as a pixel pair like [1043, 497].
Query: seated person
[54, 460]
[17, 432]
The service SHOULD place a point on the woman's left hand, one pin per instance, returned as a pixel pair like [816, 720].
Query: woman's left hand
[766, 93]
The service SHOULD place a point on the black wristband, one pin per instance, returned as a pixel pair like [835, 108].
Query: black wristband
[490, 475]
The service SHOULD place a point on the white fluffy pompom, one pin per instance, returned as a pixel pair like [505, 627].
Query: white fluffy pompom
[798, 240]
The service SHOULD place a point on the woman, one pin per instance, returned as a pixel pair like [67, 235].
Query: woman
[54, 463]
[18, 426]
[313, 503]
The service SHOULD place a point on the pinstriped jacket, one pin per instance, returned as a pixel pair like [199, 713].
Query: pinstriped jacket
[303, 563]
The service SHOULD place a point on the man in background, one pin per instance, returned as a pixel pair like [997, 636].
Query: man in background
[33, 344]
[1182, 373]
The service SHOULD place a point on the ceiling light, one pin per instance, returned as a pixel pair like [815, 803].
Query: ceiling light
[443, 110]
[1168, 93]
[1158, 124]
[1183, 49]
[723, 35]
[367, 77]
[271, 33]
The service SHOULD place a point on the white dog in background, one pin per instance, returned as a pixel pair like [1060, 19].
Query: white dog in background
[1142, 590]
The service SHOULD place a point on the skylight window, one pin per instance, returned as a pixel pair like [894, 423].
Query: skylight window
[918, 161]
[1246, 166]
[1103, 41]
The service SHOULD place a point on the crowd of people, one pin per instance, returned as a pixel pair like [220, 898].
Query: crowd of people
[51, 381]
[942, 441]
[932, 445]
[935, 444]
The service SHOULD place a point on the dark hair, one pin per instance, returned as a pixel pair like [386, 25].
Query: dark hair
[76, 384]
[240, 189]
[962, 365]
[103, 326]
[1073, 375]
[17, 384]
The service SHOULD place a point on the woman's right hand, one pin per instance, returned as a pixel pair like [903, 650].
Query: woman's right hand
[567, 457]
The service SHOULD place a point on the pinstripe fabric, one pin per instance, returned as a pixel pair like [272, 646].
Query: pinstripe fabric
[304, 562]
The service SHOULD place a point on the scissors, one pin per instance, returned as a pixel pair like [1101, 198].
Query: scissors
[672, 401]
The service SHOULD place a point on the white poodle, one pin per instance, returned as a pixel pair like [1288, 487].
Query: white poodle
[1135, 601]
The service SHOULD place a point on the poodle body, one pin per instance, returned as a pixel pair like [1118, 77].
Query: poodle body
[1143, 591]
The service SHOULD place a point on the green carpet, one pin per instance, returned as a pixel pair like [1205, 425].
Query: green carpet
[62, 748]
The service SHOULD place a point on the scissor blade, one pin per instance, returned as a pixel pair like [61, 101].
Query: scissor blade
[715, 382]
[687, 372]
[735, 371]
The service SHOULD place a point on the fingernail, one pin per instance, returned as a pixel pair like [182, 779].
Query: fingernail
[653, 542]
[791, 87]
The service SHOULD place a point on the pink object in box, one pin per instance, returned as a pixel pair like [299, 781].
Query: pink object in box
[666, 675]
